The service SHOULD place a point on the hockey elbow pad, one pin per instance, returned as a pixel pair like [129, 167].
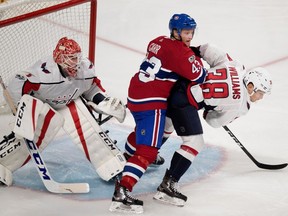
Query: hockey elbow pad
[212, 55]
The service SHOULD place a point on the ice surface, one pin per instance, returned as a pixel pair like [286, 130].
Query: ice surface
[223, 181]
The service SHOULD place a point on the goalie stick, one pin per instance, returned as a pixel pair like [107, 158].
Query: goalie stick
[50, 184]
[102, 121]
[258, 164]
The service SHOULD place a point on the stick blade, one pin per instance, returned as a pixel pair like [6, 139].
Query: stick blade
[55, 187]
[272, 166]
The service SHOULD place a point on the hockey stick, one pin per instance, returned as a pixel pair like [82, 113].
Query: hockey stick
[102, 121]
[258, 164]
[50, 184]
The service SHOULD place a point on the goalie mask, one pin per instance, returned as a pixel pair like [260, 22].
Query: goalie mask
[68, 55]
[260, 78]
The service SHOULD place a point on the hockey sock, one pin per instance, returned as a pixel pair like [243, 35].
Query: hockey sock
[179, 165]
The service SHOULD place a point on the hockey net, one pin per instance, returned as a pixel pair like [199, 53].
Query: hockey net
[30, 29]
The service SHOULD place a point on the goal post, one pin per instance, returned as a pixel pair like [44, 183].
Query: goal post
[30, 29]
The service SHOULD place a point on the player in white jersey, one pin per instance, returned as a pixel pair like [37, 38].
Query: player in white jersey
[63, 82]
[226, 95]
[58, 80]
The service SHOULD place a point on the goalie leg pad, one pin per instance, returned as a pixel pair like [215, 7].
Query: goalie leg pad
[5, 176]
[34, 121]
[99, 149]
[13, 153]
[37, 121]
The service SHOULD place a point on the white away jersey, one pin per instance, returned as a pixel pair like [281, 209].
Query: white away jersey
[224, 90]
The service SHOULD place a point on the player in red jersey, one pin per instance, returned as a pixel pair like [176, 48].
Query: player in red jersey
[167, 59]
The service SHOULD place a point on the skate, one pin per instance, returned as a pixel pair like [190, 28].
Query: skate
[123, 202]
[158, 161]
[168, 193]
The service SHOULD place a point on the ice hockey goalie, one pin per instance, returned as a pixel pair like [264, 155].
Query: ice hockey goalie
[79, 124]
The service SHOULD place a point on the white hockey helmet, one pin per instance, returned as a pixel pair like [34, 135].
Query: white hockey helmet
[260, 78]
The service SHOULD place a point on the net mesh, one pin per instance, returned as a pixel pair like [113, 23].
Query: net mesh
[25, 42]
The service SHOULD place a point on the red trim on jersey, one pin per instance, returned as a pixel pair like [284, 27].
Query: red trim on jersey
[76, 120]
[229, 58]
[189, 150]
[28, 87]
[191, 98]
[98, 83]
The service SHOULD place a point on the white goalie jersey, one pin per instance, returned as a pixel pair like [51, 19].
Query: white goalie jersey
[45, 81]
[52, 101]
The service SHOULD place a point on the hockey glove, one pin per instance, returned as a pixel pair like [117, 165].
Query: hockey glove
[110, 106]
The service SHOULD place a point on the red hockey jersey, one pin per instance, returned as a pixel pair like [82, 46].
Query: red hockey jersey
[165, 61]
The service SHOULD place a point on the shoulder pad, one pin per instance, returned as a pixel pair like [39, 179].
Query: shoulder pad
[27, 76]
[31, 77]
[87, 68]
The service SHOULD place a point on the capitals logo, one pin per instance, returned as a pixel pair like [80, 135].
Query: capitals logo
[43, 66]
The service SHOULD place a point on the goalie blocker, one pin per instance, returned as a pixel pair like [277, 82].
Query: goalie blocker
[42, 127]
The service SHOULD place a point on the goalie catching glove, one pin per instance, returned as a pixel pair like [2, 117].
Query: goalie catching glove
[110, 106]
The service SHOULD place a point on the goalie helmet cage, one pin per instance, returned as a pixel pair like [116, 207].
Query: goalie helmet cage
[30, 29]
